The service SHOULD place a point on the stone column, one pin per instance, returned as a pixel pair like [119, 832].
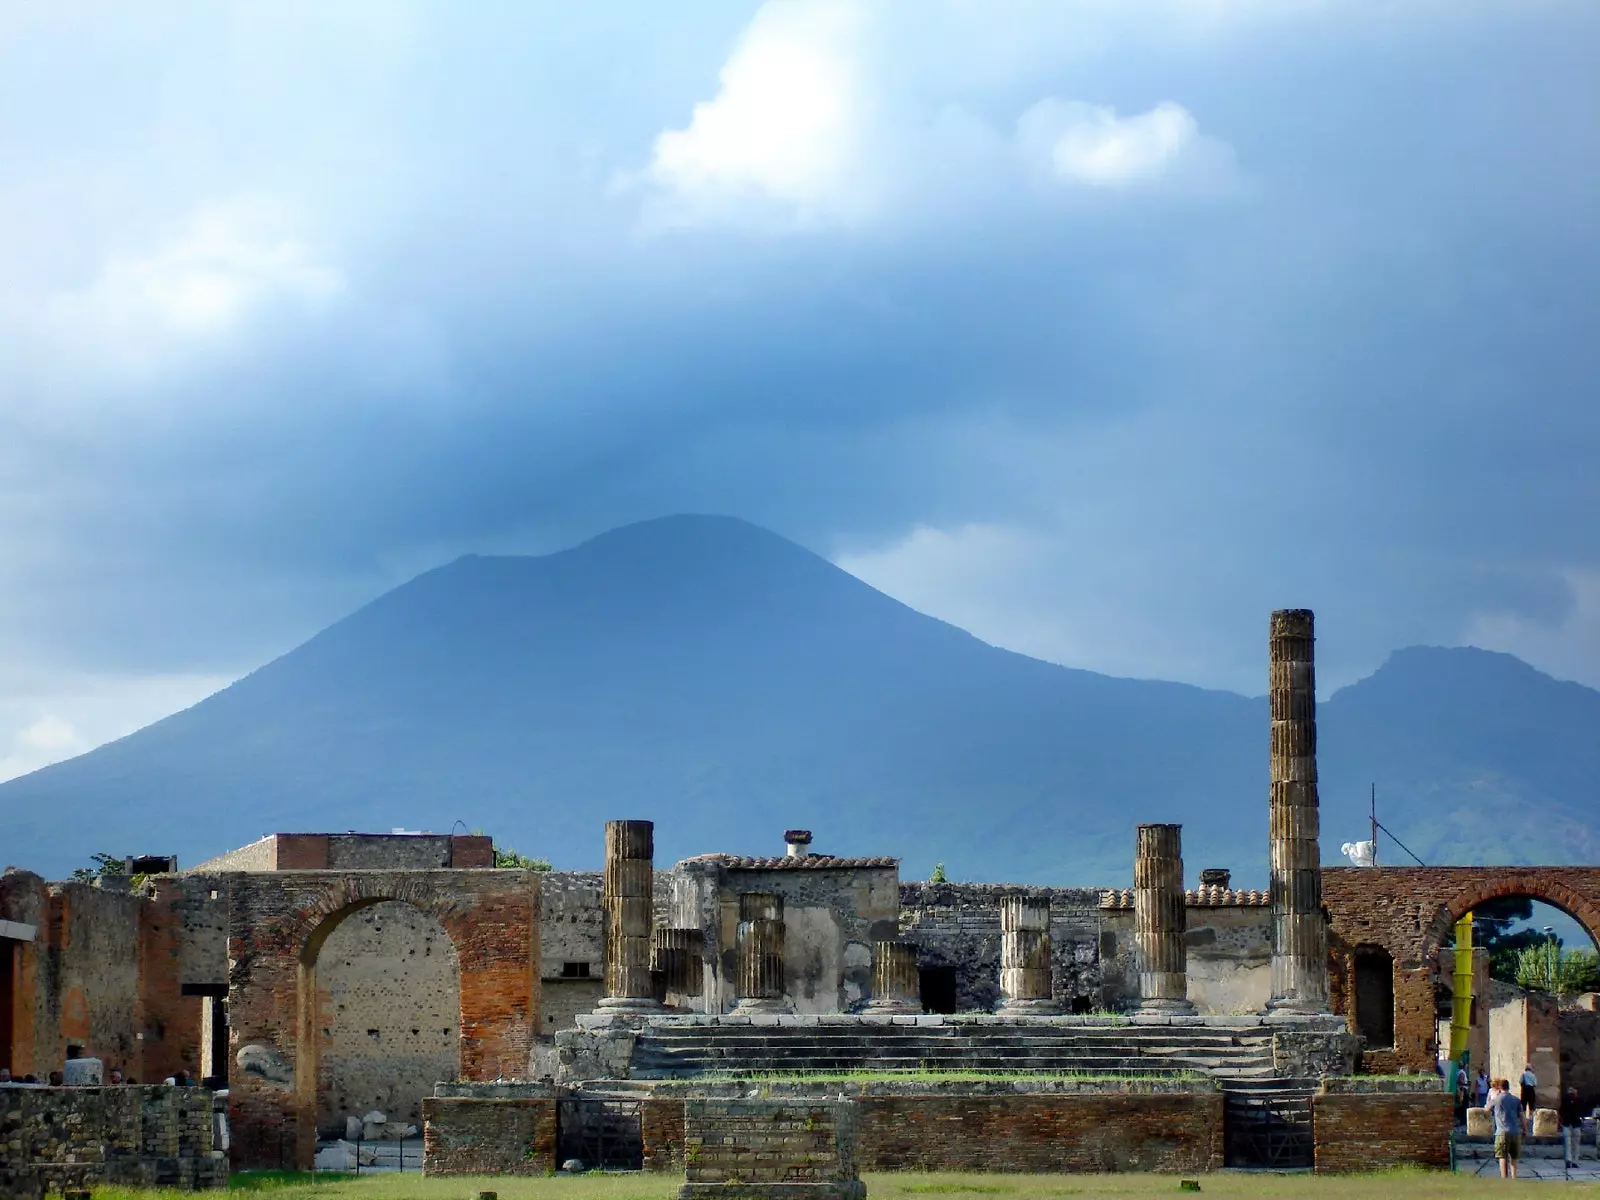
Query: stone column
[676, 962]
[895, 985]
[1025, 975]
[1160, 919]
[760, 954]
[1299, 933]
[626, 895]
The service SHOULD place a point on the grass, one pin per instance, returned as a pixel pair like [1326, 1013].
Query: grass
[925, 1075]
[1387, 1185]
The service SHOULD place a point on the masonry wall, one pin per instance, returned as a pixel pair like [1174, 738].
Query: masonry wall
[1005, 1132]
[183, 948]
[52, 1139]
[1374, 1132]
[768, 1141]
[34, 1034]
[957, 926]
[90, 975]
[1410, 911]
[278, 923]
[1525, 1030]
[389, 1015]
[1580, 1054]
[504, 1136]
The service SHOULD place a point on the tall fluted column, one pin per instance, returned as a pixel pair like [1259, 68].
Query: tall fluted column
[760, 954]
[895, 984]
[1025, 976]
[675, 960]
[1299, 933]
[1160, 919]
[626, 894]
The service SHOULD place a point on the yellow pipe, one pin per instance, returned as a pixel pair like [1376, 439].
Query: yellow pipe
[1461, 1001]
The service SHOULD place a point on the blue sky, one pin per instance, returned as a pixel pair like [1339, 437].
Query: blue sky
[1099, 327]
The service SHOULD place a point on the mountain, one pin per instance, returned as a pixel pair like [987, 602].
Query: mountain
[728, 684]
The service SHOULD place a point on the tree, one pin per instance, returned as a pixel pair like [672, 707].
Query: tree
[511, 860]
[938, 875]
[105, 864]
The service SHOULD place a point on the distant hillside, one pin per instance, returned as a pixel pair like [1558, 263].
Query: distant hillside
[729, 684]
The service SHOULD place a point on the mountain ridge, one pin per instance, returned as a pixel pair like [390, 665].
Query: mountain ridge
[728, 683]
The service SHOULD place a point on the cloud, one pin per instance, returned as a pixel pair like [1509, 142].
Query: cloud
[1564, 644]
[786, 124]
[1090, 144]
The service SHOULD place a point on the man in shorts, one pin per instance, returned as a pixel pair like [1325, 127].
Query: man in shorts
[1506, 1110]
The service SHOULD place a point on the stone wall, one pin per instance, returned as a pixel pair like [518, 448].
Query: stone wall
[357, 852]
[1525, 1030]
[52, 1139]
[956, 926]
[489, 1136]
[1580, 1054]
[571, 946]
[183, 954]
[1373, 1131]
[388, 1014]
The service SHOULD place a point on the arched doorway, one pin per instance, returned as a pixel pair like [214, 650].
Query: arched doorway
[387, 1014]
[379, 1005]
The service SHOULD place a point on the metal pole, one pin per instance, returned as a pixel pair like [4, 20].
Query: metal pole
[1374, 814]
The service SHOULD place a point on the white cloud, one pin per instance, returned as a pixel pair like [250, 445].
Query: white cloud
[821, 118]
[1090, 144]
[786, 123]
[78, 714]
[228, 262]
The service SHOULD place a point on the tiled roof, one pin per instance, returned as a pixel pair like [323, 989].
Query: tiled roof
[1202, 897]
[786, 862]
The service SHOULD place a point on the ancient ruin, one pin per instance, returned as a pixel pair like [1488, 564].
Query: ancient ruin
[512, 1020]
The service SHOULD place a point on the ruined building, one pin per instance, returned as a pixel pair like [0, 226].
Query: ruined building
[322, 976]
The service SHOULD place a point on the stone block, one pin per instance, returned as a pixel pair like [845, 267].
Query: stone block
[1546, 1122]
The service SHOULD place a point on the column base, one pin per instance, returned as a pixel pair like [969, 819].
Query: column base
[1159, 1005]
[1028, 1008]
[761, 1006]
[623, 1005]
[897, 1008]
[1291, 1006]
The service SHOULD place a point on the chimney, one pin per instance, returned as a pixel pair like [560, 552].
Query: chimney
[797, 842]
[1216, 877]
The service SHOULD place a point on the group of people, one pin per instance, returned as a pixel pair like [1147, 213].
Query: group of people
[1512, 1114]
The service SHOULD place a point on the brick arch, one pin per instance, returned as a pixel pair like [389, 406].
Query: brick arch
[277, 925]
[1410, 910]
[1533, 885]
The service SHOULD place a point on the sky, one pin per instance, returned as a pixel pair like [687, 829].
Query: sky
[1098, 327]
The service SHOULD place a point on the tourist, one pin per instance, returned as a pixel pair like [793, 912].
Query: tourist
[1463, 1096]
[116, 1077]
[1530, 1095]
[1507, 1113]
[1571, 1126]
[5, 1074]
[1483, 1087]
[56, 1079]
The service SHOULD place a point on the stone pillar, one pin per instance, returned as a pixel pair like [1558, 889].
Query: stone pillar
[895, 985]
[1299, 933]
[1160, 919]
[626, 895]
[675, 961]
[760, 954]
[1025, 975]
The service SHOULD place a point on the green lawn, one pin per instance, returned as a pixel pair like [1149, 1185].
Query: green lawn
[1394, 1185]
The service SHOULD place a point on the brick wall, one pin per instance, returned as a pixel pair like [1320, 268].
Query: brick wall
[58, 1138]
[777, 1141]
[1005, 1132]
[1409, 911]
[278, 927]
[488, 1137]
[1372, 1132]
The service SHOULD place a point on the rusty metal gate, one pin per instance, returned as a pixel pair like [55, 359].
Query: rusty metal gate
[602, 1132]
[1268, 1128]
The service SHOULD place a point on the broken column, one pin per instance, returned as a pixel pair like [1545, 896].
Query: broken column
[675, 963]
[1299, 933]
[626, 895]
[1160, 919]
[895, 985]
[1026, 985]
[760, 954]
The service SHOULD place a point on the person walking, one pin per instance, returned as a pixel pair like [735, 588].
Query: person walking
[1483, 1087]
[1529, 1095]
[1506, 1110]
[1571, 1126]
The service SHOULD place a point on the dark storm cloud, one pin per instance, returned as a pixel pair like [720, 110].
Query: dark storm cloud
[311, 302]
